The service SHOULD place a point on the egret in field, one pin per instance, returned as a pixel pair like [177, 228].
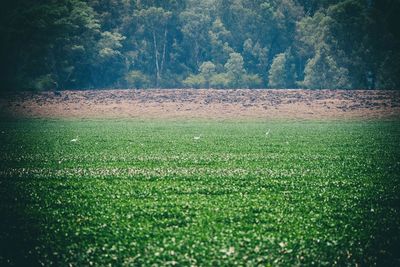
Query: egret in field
[74, 140]
[267, 132]
[197, 137]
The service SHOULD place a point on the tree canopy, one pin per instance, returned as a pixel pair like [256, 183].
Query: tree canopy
[76, 44]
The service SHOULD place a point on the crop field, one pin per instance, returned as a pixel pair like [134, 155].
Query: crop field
[147, 192]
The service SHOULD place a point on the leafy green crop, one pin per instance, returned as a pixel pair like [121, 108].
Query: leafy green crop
[136, 192]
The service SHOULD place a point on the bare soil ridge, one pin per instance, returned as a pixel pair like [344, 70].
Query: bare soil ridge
[205, 104]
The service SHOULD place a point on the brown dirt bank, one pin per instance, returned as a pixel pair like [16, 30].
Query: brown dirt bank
[205, 104]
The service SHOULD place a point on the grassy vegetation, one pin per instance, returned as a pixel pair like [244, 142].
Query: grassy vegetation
[148, 192]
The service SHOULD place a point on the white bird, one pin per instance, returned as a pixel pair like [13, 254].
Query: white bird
[74, 140]
[197, 137]
[267, 132]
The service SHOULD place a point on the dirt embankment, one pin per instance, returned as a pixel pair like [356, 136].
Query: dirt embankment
[205, 104]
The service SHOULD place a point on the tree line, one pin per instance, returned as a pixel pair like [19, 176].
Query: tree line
[76, 44]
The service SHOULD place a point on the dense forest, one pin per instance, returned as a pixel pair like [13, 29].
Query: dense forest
[76, 44]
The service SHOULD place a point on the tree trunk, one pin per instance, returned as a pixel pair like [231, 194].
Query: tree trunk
[156, 59]
[164, 49]
[196, 53]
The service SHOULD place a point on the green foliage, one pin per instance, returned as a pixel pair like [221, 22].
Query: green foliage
[156, 21]
[219, 42]
[234, 68]
[94, 44]
[322, 72]
[207, 70]
[256, 57]
[148, 193]
[196, 21]
[110, 62]
[109, 45]
[220, 80]
[137, 79]
[388, 72]
[194, 81]
[45, 82]
[252, 81]
[278, 72]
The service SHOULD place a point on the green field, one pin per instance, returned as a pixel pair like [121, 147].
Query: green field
[133, 192]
